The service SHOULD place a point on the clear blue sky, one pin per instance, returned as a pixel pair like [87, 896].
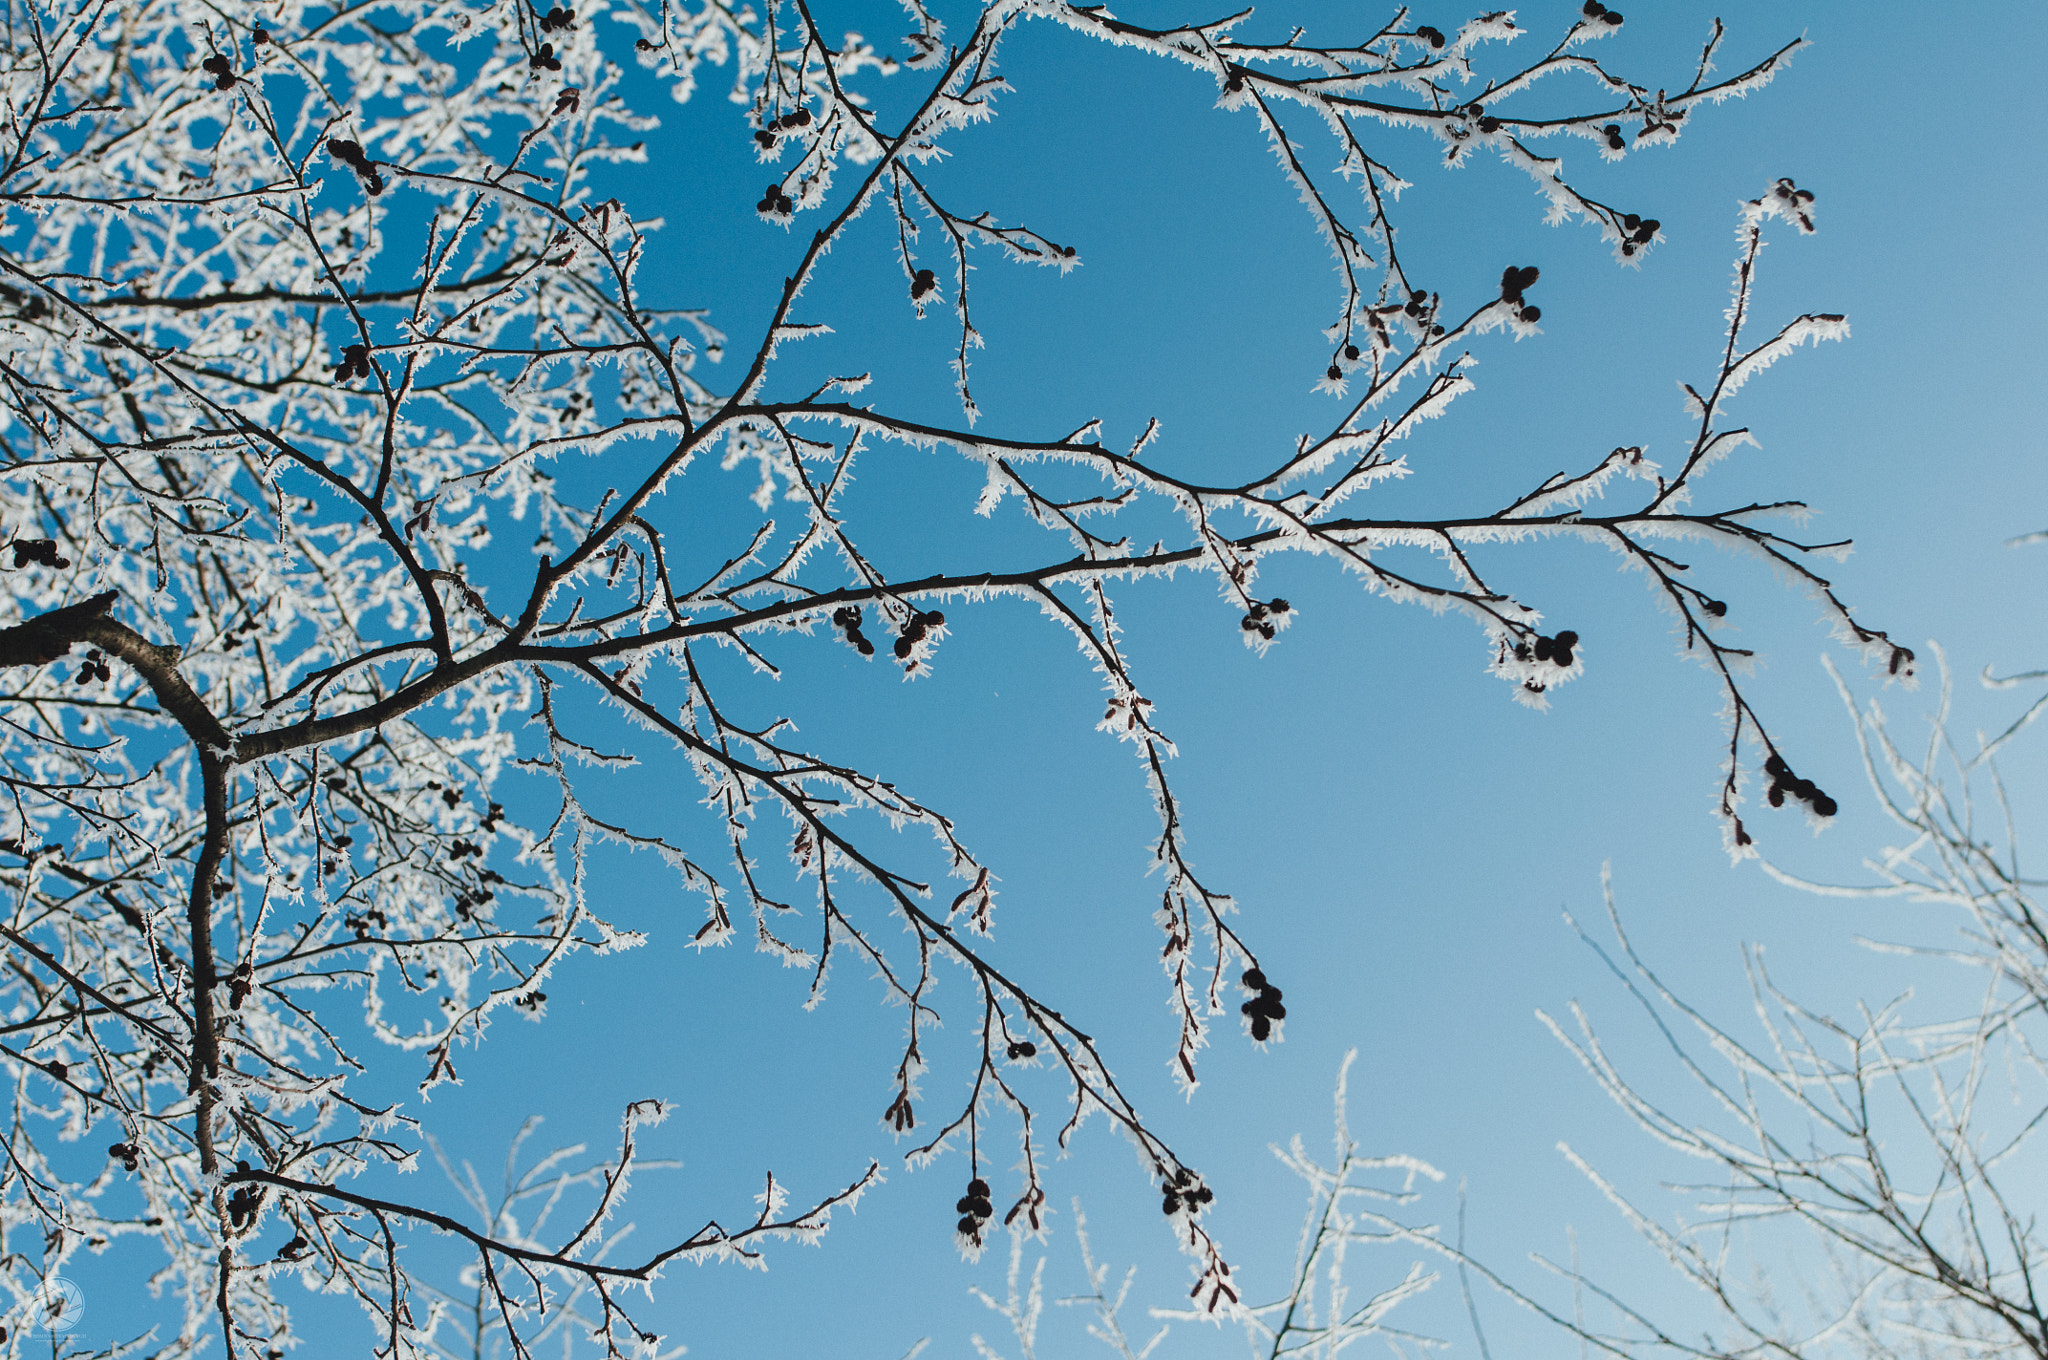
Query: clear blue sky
[1401, 836]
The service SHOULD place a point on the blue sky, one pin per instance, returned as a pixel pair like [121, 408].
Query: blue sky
[1402, 837]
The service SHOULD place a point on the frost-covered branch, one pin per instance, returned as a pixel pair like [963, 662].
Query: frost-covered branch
[1887, 1154]
[303, 314]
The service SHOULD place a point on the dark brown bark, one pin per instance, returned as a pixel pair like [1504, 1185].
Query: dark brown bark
[48, 637]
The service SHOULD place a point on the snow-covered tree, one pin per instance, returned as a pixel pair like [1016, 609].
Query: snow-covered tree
[1887, 1154]
[306, 310]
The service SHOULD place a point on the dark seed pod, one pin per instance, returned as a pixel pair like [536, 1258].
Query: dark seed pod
[1335, 373]
[968, 1227]
[1776, 765]
[978, 1186]
[1434, 37]
[1170, 1204]
[1262, 1028]
[1204, 1195]
[1532, 315]
[1777, 795]
[1824, 806]
[1351, 351]
[979, 1206]
[1254, 979]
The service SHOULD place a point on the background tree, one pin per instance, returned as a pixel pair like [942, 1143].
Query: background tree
[306, 307]
[1891, 1154]
[1316, 1316]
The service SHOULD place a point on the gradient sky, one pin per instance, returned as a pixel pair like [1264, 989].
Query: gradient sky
[1402, 837]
